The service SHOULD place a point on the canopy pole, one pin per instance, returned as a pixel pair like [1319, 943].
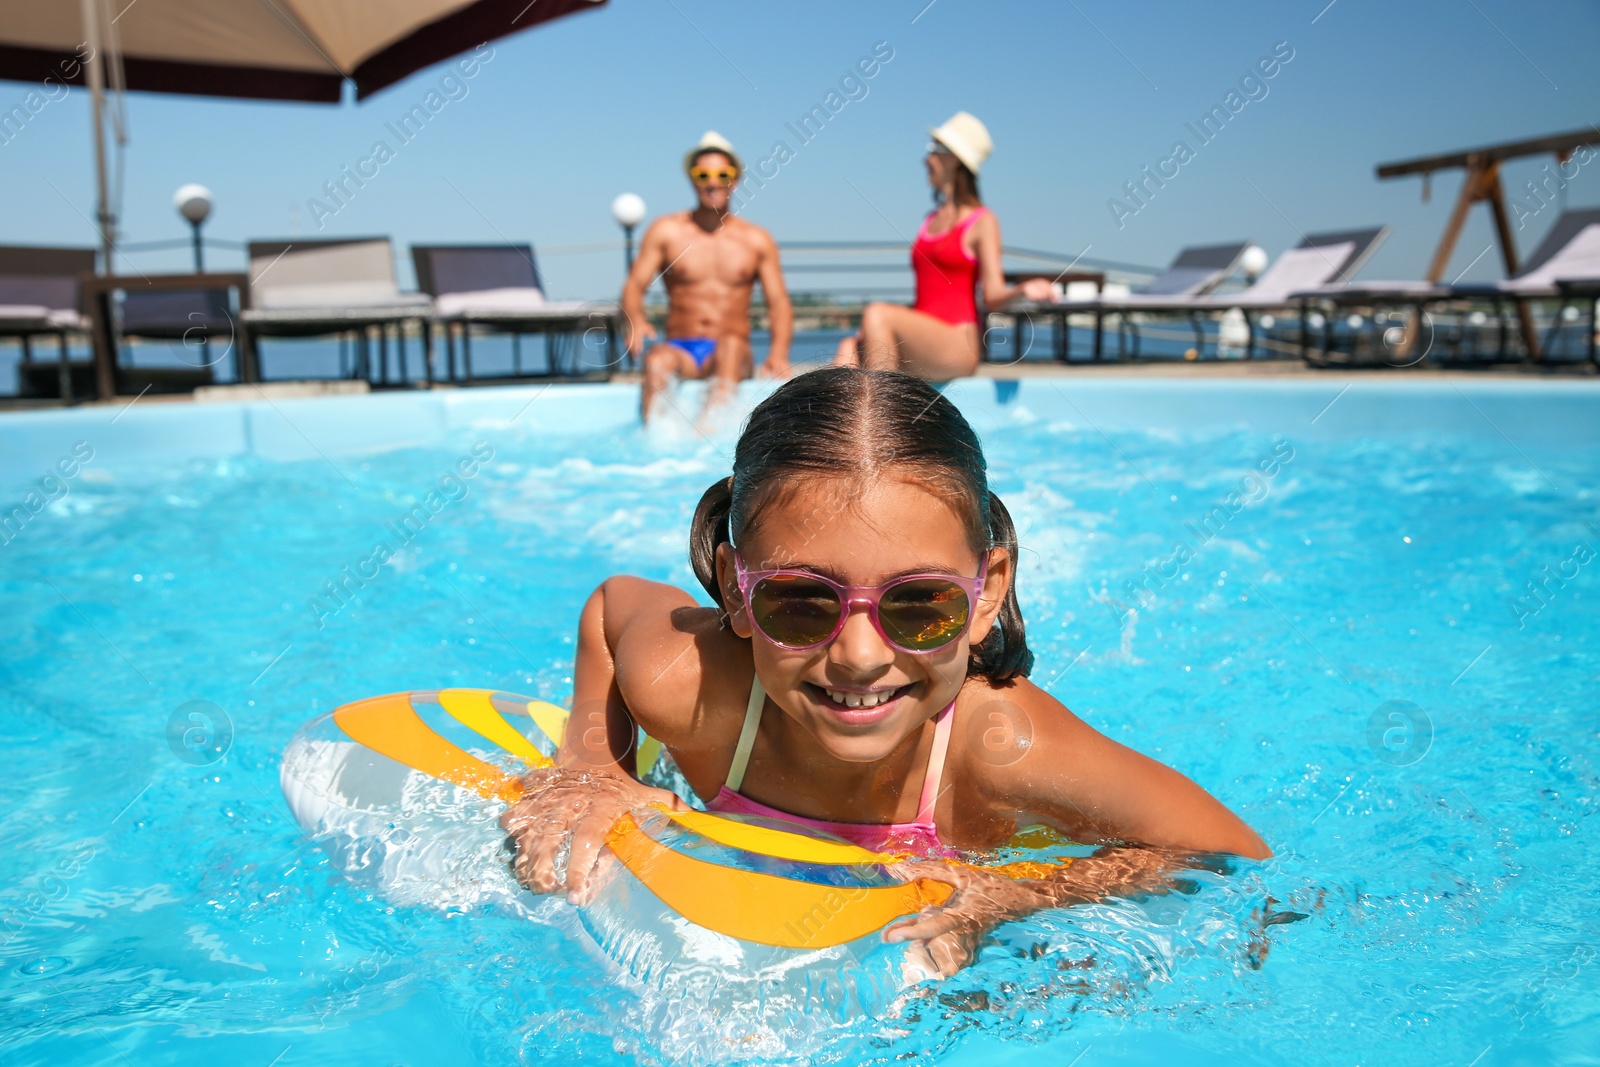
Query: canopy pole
[96, 76]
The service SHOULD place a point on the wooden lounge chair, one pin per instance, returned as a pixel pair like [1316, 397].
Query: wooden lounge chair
[344, 288]
[497, 288]
[40, 297]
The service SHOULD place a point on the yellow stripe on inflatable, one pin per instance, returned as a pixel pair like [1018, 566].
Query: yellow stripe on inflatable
[474, 709]
[389, 725]
[779, 844]
[649, 752]
[549, 718]
[761, 907]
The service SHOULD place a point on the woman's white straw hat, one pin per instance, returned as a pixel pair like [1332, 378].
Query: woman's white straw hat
[966, 138]
[712, 141]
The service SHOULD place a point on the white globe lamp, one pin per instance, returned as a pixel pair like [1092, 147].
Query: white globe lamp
[194, 204]
[629, 210]
[1253, 261]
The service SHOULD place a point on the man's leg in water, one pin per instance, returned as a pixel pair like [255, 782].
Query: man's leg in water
[660, 364]
[728, 366]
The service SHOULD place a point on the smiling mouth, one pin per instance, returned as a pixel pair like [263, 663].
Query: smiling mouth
[848, 700]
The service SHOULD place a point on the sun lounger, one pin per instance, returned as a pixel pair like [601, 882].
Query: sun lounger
[201, 323]
[497, 288]
[1451, 323]
[1320, 259]
[1569, 252]
[345, 288]
[40, 297]
[1196, 272]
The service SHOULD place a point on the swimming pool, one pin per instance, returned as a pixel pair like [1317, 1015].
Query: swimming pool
[1347, 650]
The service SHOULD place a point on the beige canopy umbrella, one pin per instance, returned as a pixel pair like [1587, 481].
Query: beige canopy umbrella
[254, 49]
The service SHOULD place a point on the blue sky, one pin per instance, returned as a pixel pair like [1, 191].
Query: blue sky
[1079, 96]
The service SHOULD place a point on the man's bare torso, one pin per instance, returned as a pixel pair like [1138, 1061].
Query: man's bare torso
[710, 276]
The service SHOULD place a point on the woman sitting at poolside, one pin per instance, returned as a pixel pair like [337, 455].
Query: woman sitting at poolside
[865, 673]
[938, 337]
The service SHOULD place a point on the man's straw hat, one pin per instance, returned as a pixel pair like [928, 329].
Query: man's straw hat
[712, 141]
[966, 138]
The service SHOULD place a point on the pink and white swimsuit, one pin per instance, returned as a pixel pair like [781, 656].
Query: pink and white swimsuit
[920, 837]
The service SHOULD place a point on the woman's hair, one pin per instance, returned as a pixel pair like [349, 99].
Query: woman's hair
[963, 187]
[844, 421]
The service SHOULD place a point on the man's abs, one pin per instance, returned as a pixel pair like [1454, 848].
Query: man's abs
[710, 280]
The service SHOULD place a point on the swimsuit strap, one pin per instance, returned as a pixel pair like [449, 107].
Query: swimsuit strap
[942, 724]
[747, 735]
[961, 226]
[930, 781]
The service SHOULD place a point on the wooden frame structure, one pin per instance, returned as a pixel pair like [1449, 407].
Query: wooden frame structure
[1482, 182]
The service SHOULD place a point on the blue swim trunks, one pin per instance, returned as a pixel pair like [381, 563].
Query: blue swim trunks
[700, 349]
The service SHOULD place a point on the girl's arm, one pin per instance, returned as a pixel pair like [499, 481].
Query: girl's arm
[991, 275]
[1074, 777]
[1070, 776]
[593, 782]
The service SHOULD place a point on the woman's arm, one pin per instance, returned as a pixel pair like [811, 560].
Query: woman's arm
[991, 275]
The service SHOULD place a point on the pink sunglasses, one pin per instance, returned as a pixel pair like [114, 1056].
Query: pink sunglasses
[801, 610]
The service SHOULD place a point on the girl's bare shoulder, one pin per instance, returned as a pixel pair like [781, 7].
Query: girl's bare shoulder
[1019, 753]
[675, 660]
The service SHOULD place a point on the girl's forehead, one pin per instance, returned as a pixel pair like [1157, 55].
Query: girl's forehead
[862, 527]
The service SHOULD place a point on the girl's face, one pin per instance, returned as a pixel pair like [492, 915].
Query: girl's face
[862, 534]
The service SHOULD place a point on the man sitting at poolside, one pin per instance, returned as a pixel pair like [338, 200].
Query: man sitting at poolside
[710, 260]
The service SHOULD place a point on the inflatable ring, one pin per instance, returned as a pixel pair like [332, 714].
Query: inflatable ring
[370, 781]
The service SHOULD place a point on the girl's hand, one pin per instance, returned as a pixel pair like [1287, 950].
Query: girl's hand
[948, 938]
[558, 802]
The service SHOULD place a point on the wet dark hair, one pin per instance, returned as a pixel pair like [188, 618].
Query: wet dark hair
[843, 421]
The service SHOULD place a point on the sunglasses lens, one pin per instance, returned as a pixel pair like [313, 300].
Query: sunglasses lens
[924, 614]
[794, 612]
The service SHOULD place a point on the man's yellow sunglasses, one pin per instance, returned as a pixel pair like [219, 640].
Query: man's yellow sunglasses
[705, 175]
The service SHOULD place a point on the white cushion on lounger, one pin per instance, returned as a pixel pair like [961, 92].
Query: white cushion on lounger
[1299, 269]
[495, 301]
[333, 295]
[24, 312]
[1578, 260]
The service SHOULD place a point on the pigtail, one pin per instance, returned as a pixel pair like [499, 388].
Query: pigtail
[1003, 654]
[710, 529]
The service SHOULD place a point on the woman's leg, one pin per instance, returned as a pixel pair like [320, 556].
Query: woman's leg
[848, 354]
[900, 338]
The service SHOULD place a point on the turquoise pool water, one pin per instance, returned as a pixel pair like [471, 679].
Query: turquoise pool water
[1348, 651]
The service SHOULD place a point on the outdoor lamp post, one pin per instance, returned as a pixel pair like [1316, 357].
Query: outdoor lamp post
[194, 203]
[628, 209]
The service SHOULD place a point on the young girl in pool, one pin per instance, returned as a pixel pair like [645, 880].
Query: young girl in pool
[865, 672]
